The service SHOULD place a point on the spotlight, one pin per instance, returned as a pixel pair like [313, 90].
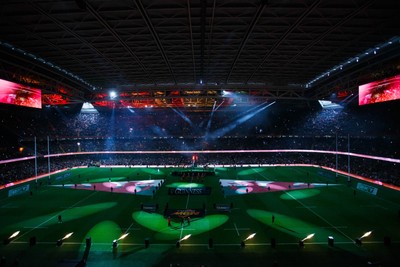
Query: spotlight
[123, 236]
[301, 242]
[88, 242]
[210, 243]
[14, 235]
[366, 234]
[308, 237]
[185, 237]
[67, 235]
[273, 243]
[115, 248]
[8, 240]
[330, 241]
[32, 241]
[113, 94]
[59, 242]
[250, 237]
[358, 240]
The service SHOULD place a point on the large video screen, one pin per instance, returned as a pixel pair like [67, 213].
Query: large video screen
[21, 95]
[379, 91]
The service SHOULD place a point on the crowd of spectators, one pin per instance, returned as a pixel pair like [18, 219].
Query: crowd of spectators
[371, 131]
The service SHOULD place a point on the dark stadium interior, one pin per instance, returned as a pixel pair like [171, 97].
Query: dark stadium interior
[201, 76]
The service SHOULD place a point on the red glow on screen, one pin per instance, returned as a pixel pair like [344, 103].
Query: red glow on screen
[379, 91]
[54, 99]
[21, 95]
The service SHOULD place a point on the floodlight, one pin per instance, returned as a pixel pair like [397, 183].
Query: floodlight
[301, 242]
[250, 236]
[67, 235]
[14, 235]
[88, 242]
[308, 237]
[185, 237]
[358, 240]
[273, 243]
[178, 243]
[210, 243]
[331, 241]
[32, 241]
[366, 234]
[123, 236]
[113, 94]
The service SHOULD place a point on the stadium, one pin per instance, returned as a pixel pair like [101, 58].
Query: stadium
[199, 133]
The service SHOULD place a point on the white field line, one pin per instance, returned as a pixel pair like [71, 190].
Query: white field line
[53, 217]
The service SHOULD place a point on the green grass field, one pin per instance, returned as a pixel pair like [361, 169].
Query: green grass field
[317, 202]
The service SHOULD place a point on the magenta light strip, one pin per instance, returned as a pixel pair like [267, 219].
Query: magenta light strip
[208, 152]
[16, 160]
[227, 151]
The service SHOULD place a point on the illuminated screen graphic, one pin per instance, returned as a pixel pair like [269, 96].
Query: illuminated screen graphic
[145, 187]
[18, 94]
[379, 91]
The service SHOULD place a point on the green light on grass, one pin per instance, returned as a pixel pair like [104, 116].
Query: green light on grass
[102, 235]
[222, 169]
[158, 223]
[251, 171]
[293, 226]
[185, 185]
[154, 171]
[67, 215]
[299, 194]
[103, 180]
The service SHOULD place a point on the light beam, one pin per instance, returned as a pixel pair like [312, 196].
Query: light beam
[250, 237]
[14, 235]
[308, 237]
[185, 237]
[67, 235]
[123, 236]
[366, 234]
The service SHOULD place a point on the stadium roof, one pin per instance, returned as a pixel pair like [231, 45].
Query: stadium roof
[163, 50]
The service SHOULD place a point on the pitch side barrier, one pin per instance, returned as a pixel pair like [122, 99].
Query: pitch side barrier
[211, 165]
